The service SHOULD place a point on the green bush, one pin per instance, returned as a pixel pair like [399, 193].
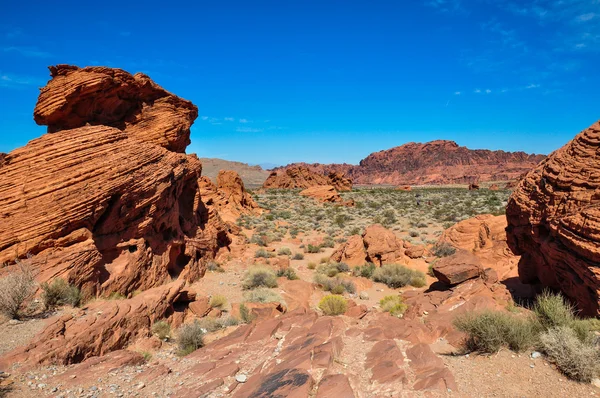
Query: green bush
[218, 301]
[577, 360]
[336, 285]
[443, 250]
[489, 331]
[552, 310]
[311, 266]
[395, 276]
[313, 249]
[245, 314]
[161, 329]
[262, 253]
[394, 305]
[332, 269]
[59, 292]
[333, 305]
[190, 337]
[298, 256]
[366, 271]
[284, 251]
[288, 272]
[259, 276]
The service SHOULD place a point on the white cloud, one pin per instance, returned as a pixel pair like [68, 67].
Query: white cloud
[532, 86]
[248, 130]
[457, 93]
[477, 91]
[229, 119]
[18, 81]
[244, 121]
[488, 91]
[586, 17]
[32, 52]
[204, 117]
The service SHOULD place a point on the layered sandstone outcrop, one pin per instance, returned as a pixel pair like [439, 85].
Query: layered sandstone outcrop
[435, 162]
[376, 245]
[302, 177]
[554, 221]
[107, 199]
[326, 194]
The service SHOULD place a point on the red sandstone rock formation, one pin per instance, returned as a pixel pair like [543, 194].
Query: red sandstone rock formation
[325, 194]
[473, 186]
[377, 245]
[302, 177]
[108, 200]
[458, 268]
[494, 187]
[435, 162]
[554, 221]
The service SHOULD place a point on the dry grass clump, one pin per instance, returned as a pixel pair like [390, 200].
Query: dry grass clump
[335, 285]
[567, 341]
[262, 295]
[15, 289]
[59, 292]
[298, 256]
[190, 337]
[332, 269]
[161, 329]
[394, 305]
[259, 277]
[366, 271]
[395, 276]
[262, 253]
[443, 250]
[288, 272]
[333, 305]
[284, 251]
[218, 301]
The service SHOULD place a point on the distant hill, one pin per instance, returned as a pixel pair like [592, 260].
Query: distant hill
[435, 162]
[253, 176]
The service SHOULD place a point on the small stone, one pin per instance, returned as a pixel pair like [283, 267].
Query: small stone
[140, 386]
[94, 388]
[363, 295]
[73, 376]
[425, 313]
[596, 382]
[241, 378]
[532, 366]
[535, 355]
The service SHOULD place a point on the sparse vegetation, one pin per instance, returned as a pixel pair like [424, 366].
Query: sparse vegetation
[15, 289]
[553, 328]
[59, 292]
[396, 276]
[190, 337]
[298, 256]
[335, 285]
[162, 330]
[443, 250]
[333, 305]
[366, 271]
[288, 272]
[284, 251]
[245, 314]
[262, 253]
[218, 301]
[262, 295]
[259, 277]
[394, 305]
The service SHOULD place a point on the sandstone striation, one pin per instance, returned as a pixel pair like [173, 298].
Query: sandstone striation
[325, 194]
[435, 162]
[302, 177]
[108, 200]
[554, 221]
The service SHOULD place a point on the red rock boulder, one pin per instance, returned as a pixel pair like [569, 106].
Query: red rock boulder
[458, 268]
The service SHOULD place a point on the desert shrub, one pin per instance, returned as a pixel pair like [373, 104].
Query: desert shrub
[262, 295]
[262, 253]
[552, 310]
[298, 256]
[394, 305]
[312, 249]
[190, 337]
[218, 301]
[324, 260]
[59, 292]
[259, 276]
[328, 242]
[15, 289]
[430, 270]
[260, 240]
[335, 285]
[413, 234]
[366, 271]
[210, 324]
[576, 359]
[333, 305]
[245, 314]
[288, 272]
[284, 251]
[214, 266]
[443, 250]
[489, 331]
[332, 269]
[161, 329]
[116, 296]
[396, 276]
[311, 266]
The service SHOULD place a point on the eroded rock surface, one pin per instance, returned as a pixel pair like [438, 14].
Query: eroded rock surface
[302, 177]
[554, 221]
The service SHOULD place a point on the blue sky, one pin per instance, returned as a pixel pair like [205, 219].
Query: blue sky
[326, 81]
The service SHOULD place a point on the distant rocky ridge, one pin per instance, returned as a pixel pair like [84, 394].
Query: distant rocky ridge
[302, 177]
[251, 175]
[435, 162]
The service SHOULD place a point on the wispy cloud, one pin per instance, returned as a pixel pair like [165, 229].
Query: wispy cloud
[248, 130]
[204, 117]
[8, 80]
[586, 17]
[229, 119]
[457, 93]
[528, 87]
[27, 51]
[244, 121]
[446, 5]
[477, 91]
